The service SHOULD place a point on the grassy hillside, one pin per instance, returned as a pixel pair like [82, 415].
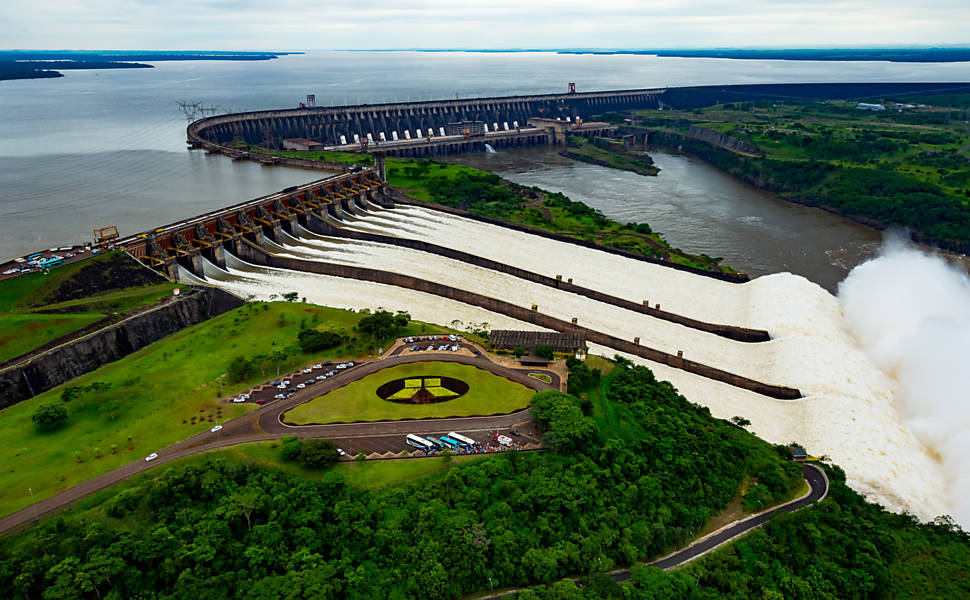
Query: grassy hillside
[639, 476]
[159, 395]
[40, 307]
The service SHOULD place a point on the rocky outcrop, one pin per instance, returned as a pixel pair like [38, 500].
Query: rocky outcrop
[721, 140]
[63, 363]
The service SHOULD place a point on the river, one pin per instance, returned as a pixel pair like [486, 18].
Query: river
[702, 210]
[97, 148]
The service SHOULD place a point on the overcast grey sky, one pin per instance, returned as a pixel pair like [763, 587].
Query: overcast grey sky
[327, 24]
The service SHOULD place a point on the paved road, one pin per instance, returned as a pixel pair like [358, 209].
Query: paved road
[819, 488]
[266, 424]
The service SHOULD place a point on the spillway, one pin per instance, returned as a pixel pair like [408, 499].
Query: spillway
[847, 412]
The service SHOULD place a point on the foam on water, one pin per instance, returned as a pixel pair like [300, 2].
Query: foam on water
[848, 411]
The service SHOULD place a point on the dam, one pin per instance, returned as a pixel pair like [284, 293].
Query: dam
[414, 128]
[771, 350]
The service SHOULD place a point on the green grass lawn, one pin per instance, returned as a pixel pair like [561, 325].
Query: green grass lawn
[154, 394]
[488, 394]
[21, 333]
[26, 321]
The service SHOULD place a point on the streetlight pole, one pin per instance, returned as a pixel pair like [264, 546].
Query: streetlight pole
[36, 512]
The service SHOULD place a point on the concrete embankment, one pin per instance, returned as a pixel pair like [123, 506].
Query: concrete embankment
[63, 363]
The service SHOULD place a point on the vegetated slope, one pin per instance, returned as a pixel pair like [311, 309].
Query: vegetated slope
[244, 532]
[633, 480]
[39, 309]
[908, 167]
[163, 393]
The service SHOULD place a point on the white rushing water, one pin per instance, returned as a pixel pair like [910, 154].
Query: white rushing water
[849, 410]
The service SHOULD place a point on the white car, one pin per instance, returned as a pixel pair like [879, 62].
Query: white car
[317, 366]
[286, 382]
[321, 377]
[351, 363]
[245, 396]
[216, 428]
[300, 386]
[341, 366]
[340, 452]
[238, 400]
[307, 370]
[151, 456]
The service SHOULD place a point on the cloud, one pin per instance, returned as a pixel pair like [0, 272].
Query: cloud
[256, 24]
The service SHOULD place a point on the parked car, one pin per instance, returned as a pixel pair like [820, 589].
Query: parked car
[260, 401]
[238, 400]
[307, 370]
[321, 377]
[340, 452]
[350, 364]
[317, 366]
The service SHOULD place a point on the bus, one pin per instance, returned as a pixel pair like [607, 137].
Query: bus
[462, 439]
[418, 442]
[34, 256]
[453, 444]
[436, 443]
[52, 262]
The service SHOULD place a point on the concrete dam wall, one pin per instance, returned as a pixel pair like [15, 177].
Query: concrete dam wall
[327, 125]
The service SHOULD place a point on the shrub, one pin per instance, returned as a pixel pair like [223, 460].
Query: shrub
[316, 454]
[50, 416]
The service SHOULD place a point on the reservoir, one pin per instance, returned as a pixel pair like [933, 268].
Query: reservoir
[107, 147]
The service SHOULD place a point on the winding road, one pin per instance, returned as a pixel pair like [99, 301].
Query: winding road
[818, 485]
[267, 424]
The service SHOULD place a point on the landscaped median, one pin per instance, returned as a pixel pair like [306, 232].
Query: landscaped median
[487, 394]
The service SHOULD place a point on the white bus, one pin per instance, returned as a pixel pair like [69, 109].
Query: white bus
[419, 442]
[461, 438]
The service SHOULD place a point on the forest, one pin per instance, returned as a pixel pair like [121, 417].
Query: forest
[633, 471]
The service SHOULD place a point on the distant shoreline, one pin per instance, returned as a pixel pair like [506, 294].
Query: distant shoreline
[914, 55]
[43, 64]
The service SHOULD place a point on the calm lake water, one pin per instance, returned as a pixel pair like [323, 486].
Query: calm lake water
[98, 148]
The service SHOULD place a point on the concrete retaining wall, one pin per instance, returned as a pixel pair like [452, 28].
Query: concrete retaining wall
[63, 363]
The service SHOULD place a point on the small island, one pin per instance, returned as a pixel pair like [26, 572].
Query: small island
[45, 64]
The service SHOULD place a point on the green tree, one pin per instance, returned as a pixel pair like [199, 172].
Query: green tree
[50, 416]
[240, 368]
[566, 427]
[311, 340]
[545, 351]
[317, 454]
[290, 448]
[383, 324]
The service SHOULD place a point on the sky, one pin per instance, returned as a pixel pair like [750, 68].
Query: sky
[352, 24]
